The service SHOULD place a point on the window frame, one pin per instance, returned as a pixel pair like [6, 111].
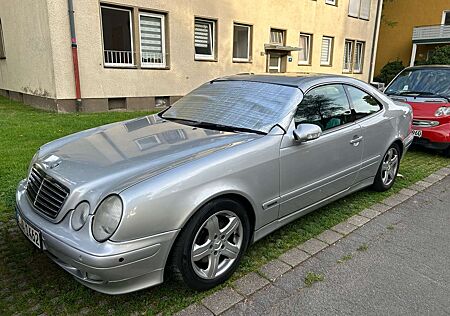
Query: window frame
[444, 15]
[358, 15]
[249, 42]
[309, 55]
[283, 36]
[130, 14]
[352, 54]
[331, 2]
[380, 103]
[336, 128]
[213, 39]
[361, 64]
[329, 62]
[162, 16]
[2, 42]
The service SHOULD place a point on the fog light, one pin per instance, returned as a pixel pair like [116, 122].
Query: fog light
[80, 215]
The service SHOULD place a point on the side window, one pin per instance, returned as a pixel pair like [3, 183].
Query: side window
[325, 106]
[363, 103]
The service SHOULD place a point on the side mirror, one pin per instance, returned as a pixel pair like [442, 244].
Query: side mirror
[306, 132]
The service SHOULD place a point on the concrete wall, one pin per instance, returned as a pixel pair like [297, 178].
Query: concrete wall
[28, 67]
[395, 42]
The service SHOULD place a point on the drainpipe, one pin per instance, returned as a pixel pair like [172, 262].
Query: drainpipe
[375, 40]
[76, 71]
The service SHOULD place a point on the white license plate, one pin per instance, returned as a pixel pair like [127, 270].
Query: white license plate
[417, 132]
[32, 234]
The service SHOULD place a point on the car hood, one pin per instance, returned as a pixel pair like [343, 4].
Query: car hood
[425, 109]
[115, 156]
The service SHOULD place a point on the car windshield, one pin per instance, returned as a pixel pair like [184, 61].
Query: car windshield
[422, 82]
[236, 105]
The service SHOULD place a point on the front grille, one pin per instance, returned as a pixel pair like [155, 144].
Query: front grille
[46, 194]
[425, 123]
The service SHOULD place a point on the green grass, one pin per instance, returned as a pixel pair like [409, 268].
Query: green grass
[345, 258]
[31, 284]
[312, 278]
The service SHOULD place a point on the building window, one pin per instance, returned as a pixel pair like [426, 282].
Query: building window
[152, 40]
[332, 2]
[359, 9]
[204, 39]
[241, 42]
[327, 51]
[446, 18]
[277, 36]
[359, 57]
[304, 55]
[2, 43]
[117, 36]
[348, 56]
[353, 56]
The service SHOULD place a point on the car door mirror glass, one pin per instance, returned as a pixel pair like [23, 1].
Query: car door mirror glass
[306, 132]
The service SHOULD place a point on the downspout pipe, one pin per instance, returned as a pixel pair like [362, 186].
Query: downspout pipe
[375, 40]
[76, 70]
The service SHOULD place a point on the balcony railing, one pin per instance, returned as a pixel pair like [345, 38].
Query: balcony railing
[119, 57]
[431, 34]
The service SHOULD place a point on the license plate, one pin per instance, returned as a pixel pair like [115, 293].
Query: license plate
[417, 132]
[32, 234]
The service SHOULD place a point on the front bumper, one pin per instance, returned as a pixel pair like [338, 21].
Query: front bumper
[109, 267]
[436, 137]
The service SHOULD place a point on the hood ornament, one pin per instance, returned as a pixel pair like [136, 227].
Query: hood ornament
[52, 162]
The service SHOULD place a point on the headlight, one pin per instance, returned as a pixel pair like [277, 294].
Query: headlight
[442, 111]
[107, 218]
[79, 215]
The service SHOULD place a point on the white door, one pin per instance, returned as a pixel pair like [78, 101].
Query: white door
[274, 64]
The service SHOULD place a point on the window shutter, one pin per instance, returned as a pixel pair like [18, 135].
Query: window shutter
[203, 38]
[365, 9]
[353, 8]
[152, 49]
[325, 54]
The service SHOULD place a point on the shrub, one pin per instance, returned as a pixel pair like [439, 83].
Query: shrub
[389, 71]
[440, 56]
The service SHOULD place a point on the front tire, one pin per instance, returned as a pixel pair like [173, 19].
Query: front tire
[210, 246]
[387, 172]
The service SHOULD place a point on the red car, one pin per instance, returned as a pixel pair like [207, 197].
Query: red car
[427, 90]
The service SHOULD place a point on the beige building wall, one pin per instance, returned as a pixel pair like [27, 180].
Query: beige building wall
[27, 70]
[185, 73]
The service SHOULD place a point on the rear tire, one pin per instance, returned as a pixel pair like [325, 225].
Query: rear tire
[211, 245]
[446, 152]
[387, 172]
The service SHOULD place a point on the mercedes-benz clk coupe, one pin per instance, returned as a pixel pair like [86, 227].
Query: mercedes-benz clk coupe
[427, 90]
[189, 189]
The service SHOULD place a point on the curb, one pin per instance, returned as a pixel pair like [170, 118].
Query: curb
[222, 300]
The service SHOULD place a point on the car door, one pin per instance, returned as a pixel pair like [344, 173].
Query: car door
[375, 129]
[315, 170]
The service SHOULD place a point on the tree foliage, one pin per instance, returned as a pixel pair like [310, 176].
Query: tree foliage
[440, 56]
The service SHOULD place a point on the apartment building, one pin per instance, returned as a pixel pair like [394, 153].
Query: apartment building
[91, 55]
[417, 26]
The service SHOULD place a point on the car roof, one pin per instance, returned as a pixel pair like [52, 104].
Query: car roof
[303, 81]
[428, 67]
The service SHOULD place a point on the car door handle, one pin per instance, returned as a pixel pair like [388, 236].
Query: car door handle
[355, 141]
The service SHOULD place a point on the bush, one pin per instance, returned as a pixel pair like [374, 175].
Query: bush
[440, 56]
[389, 71]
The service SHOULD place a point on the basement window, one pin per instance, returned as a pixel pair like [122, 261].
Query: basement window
[2, 44]
[117, 36]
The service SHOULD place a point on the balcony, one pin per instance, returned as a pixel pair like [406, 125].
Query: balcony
[433, 34]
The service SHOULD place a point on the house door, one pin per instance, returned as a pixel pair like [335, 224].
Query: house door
[274, 63]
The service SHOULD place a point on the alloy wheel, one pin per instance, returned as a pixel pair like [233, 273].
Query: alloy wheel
[389, 166]
[217, 244]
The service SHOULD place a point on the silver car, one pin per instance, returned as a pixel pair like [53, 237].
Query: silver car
[189, 189]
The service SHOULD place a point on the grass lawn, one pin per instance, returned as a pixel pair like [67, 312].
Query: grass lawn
[31, 284]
